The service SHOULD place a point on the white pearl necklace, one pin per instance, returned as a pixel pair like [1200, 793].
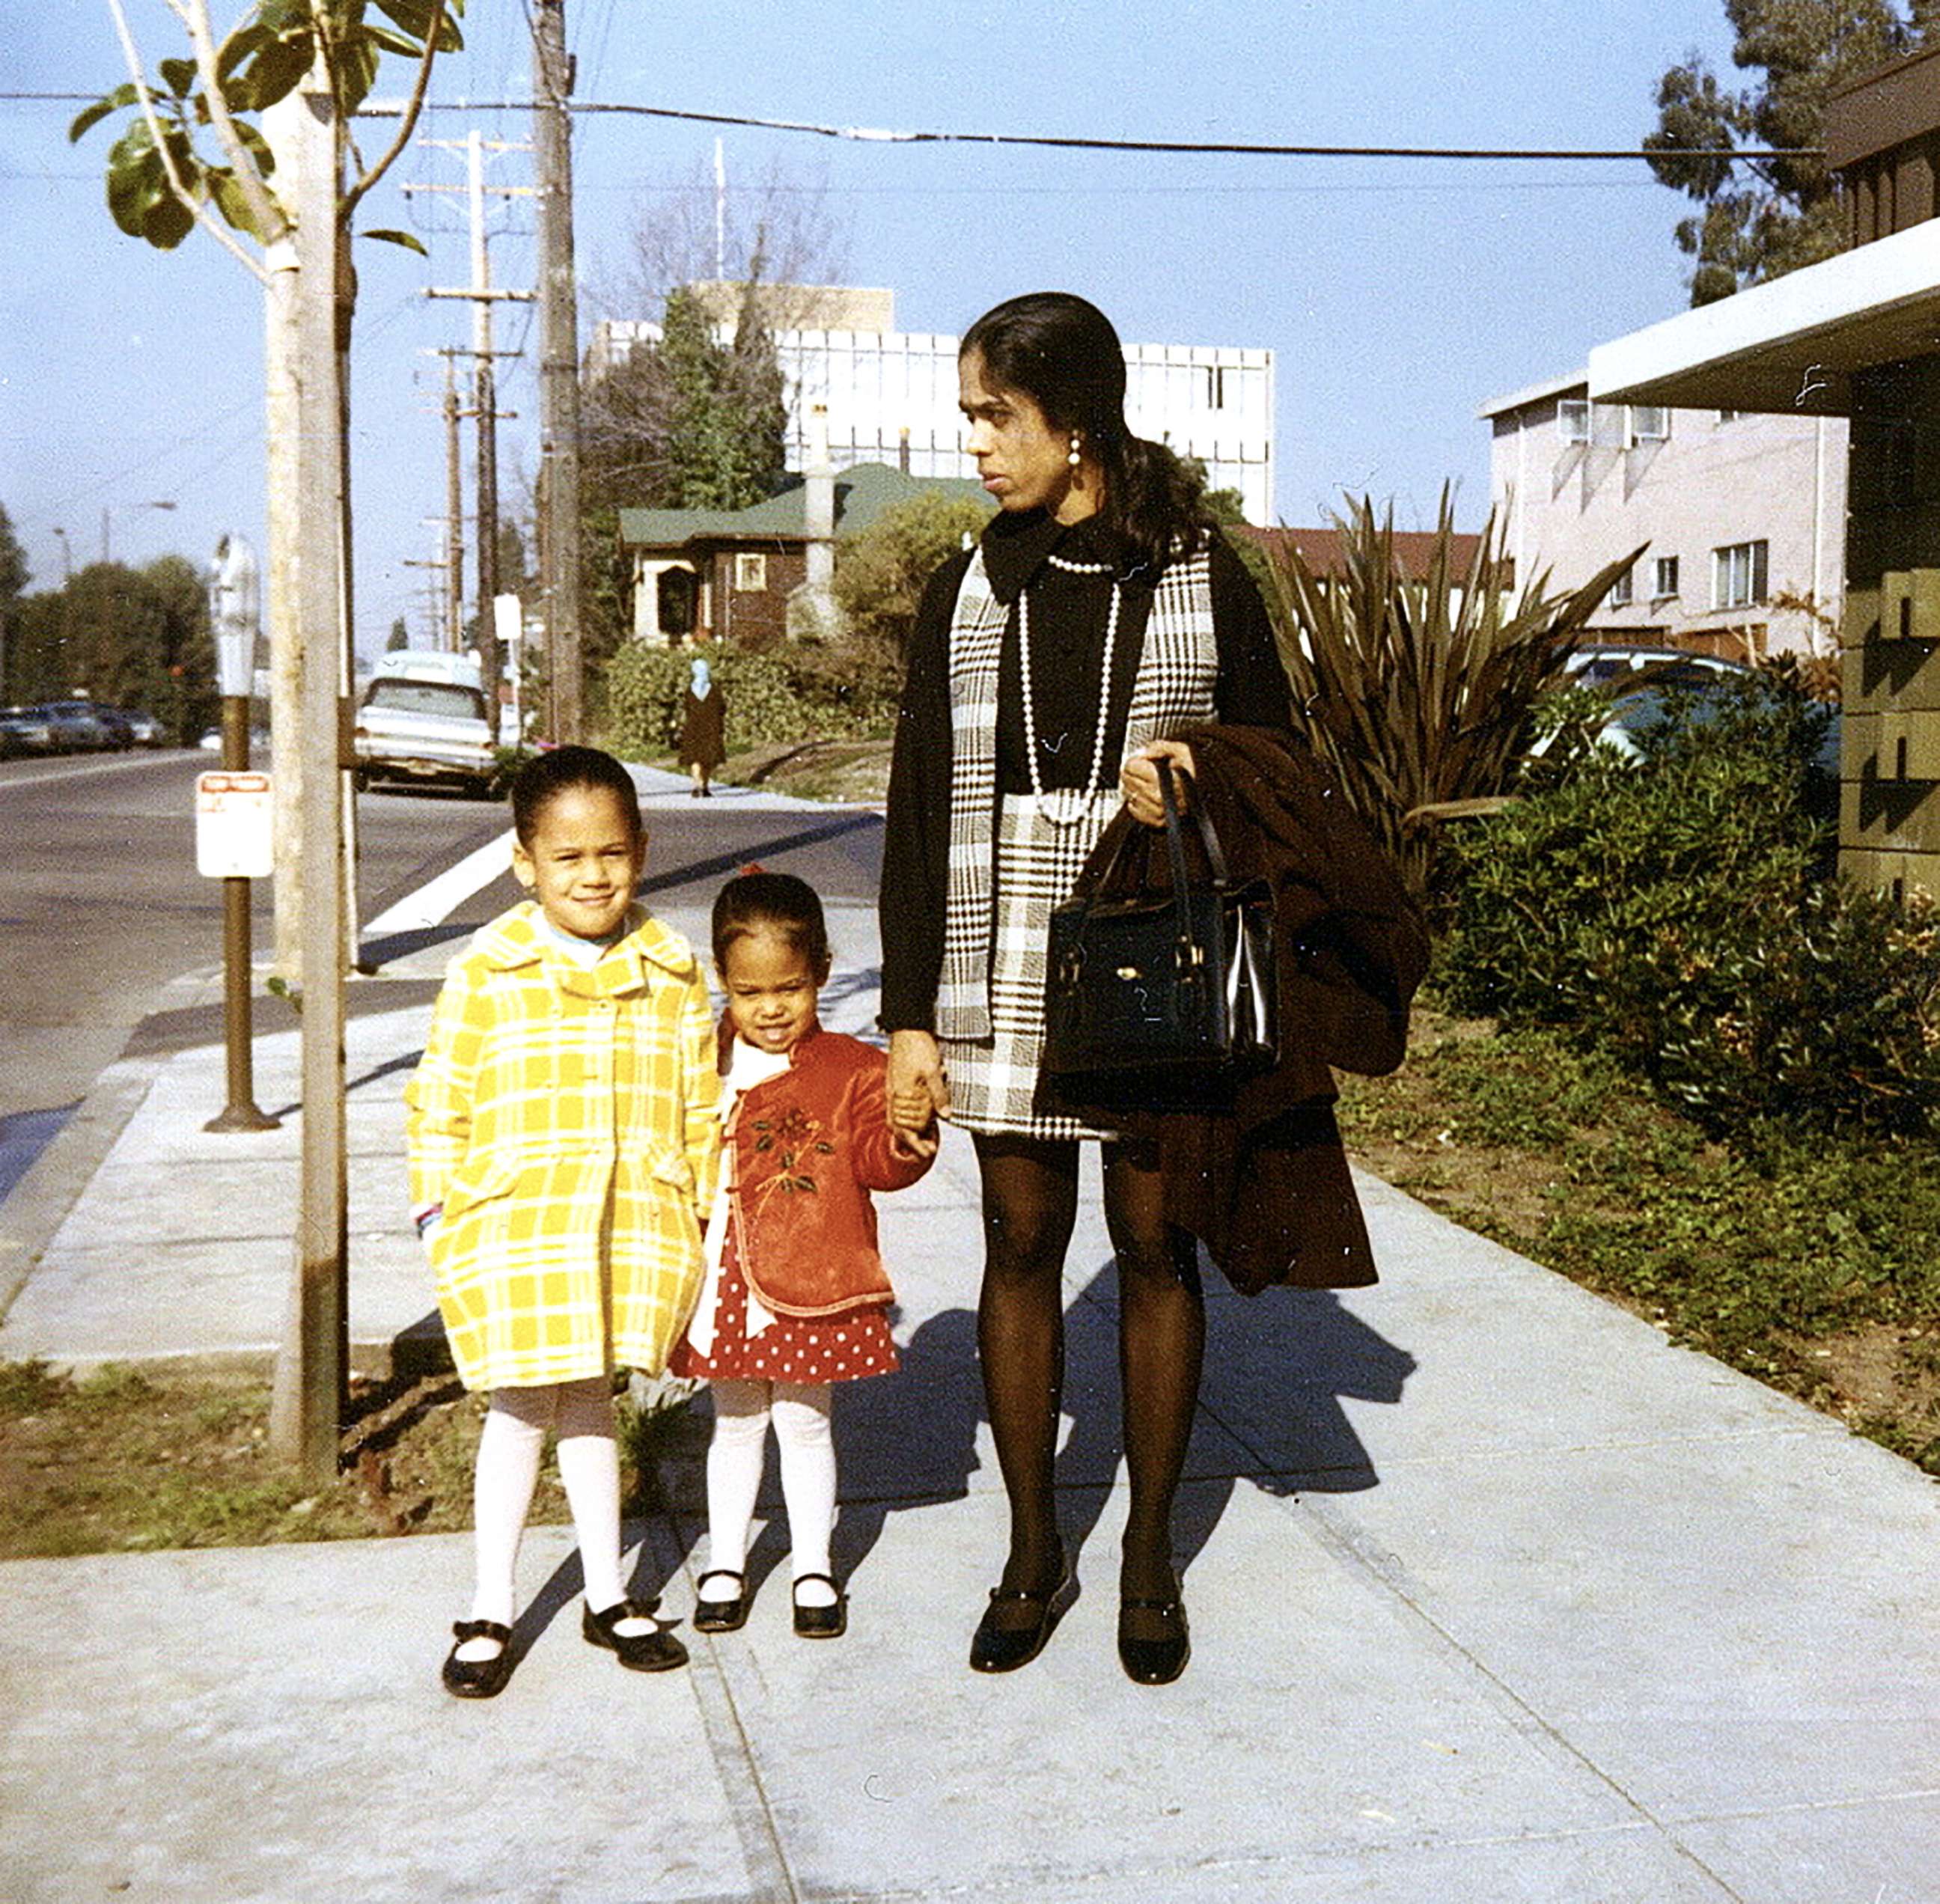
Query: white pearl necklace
[1095, 782]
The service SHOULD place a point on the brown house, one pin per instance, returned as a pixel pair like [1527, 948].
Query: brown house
[728, 574]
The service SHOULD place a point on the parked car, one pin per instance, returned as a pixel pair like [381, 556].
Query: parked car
[423, 719]
[23, 731]
[1644, 685]
[82, 726]
[144, 729]
[211, 741]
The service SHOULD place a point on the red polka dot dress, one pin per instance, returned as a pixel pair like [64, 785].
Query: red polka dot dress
[732, 1337]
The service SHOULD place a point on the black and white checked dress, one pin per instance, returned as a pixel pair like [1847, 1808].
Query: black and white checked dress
[1014, 857]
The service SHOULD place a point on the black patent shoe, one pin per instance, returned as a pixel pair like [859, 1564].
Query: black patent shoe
[655, 1651]
[721, 1616]
[821, 1622]
[478, 1679]
[995, 1648]
[1154, 1661]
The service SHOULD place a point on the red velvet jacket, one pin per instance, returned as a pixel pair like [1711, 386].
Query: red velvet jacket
[808, 1147]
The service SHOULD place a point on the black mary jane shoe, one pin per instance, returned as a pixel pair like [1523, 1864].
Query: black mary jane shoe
[1003, 1649]
[478, 1679]
[821, 1622]
[655, 1651]
[1160, 1662]
[721, 1616]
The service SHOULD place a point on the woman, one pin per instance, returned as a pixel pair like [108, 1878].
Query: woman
[1047, 666]
[703, 727]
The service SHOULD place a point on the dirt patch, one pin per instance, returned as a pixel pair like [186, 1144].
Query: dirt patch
[852, 771]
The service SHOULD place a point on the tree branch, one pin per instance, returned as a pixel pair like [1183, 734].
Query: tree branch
[408, 124]
[264, 206]
[196, 208]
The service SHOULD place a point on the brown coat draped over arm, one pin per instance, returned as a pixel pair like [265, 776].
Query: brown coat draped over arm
[1265, 1185]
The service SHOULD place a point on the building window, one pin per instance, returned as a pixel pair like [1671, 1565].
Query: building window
[1650, 423]
[1664, 584]
[751, 574]
[1572, 418]
[1738, 575]
[1215, 387]
[1729, 415]
[1623, 590]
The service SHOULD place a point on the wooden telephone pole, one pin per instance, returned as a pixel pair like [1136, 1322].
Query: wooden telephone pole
[306, 1404]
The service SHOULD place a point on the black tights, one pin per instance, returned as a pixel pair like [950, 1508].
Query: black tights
[1030, 1202]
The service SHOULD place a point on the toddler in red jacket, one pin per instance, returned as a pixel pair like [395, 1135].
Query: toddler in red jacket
[796, 1298]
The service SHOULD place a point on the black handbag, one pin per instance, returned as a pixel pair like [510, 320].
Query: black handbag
[1161, 998]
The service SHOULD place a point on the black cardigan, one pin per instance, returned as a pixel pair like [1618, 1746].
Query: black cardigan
[1068, 617]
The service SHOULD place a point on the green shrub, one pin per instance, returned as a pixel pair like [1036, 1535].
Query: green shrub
[801, 690]
[880, 572]
[1675, 913]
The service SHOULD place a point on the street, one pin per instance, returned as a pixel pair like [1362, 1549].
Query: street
[100, 906]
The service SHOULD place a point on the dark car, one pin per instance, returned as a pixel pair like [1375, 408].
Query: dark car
[144, 729]
[82, 727]
[22, 731]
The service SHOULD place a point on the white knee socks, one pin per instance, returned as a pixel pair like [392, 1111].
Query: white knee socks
[803, 1427]
[502, 1495]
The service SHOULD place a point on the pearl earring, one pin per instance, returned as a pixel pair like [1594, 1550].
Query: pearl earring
[1073, 458]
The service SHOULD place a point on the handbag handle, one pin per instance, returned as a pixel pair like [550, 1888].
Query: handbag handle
[1175, 842]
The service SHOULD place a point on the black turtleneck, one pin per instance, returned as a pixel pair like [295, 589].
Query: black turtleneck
[1068, 614]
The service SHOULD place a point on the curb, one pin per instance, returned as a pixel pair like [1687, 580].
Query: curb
[48, 1190]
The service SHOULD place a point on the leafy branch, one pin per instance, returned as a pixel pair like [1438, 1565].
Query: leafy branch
[163, 178]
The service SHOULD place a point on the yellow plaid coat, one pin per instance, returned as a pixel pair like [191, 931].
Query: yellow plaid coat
[565, 1118]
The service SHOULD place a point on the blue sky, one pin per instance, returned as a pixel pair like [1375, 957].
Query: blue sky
[1397, 294]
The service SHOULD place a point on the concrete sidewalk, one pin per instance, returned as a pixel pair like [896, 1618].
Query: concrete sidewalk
[1495, 1595]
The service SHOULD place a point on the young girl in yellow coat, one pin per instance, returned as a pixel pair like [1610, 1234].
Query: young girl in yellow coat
[563, 1142]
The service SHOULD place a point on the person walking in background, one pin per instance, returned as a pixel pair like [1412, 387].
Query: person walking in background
[703, 727]
[563, 1145]
[796, 1298]
[1097, 617]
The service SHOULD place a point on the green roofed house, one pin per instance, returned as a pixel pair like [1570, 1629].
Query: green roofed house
[752, 576]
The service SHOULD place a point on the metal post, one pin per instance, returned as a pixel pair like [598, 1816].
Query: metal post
[234, 615]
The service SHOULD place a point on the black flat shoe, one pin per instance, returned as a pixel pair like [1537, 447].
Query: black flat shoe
[478, 1679]
[656, 1652]
[1001, 1649]
[721, 1616]
[1160, 1662]
[821, 1622]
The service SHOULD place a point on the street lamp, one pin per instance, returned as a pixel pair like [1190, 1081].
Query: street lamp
[107, 511]
[67, 557]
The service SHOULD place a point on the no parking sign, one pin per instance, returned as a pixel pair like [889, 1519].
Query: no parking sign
[232, 826]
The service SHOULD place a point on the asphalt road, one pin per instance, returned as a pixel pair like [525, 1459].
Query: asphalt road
[100, 906]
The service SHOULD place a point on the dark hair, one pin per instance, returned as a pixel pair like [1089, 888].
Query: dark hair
[1063, 353]
[776, 902]
[545, 776]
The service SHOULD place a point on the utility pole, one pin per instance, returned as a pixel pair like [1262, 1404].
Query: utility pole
[559, 378]
[307, 1406]
[454, 516]
[483, 295]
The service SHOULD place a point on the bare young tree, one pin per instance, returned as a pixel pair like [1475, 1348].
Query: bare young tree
[777, 225]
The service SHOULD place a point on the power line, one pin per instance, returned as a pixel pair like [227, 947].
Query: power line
[881, 135]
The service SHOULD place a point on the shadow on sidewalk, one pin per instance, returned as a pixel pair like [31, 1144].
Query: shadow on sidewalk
[1278, 1368]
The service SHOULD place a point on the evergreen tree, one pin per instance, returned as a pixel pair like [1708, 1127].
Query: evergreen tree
[1762, 217]
[12, 562]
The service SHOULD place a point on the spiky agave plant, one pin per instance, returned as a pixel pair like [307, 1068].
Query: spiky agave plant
[1416, 689]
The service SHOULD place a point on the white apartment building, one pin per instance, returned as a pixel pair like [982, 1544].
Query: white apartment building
[1744, 514]
[890, 397]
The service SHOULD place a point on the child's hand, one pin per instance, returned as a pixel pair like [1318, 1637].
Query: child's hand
[911, 1109]
[914, 1143]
